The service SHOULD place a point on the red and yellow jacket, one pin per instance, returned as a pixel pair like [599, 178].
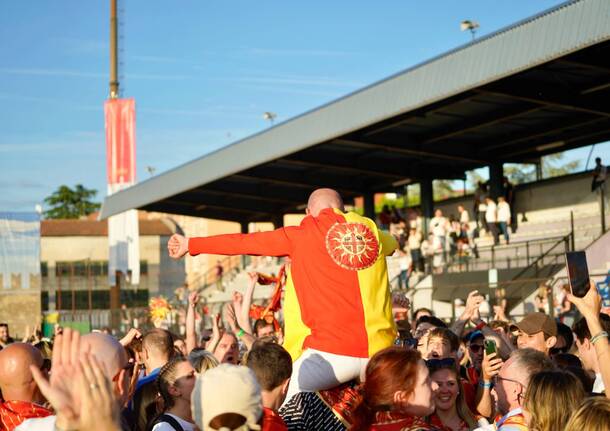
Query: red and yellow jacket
[337, 296]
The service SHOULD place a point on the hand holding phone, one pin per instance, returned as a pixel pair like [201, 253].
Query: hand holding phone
[490, 346]
[578, 273]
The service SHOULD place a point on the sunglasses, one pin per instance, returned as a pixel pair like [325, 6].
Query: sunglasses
[406, 342]
[476, 348]
[440, 363]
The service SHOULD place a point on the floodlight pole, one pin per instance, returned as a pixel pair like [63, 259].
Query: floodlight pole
[114, 74]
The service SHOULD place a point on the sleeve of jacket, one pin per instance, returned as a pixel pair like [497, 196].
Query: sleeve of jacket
[273, 243]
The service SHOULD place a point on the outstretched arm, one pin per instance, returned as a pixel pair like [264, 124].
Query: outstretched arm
[274, 243]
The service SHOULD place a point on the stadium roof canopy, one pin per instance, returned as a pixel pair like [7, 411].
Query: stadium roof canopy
[537, 87]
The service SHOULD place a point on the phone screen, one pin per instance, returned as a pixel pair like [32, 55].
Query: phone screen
[490, 347]
[578, 273]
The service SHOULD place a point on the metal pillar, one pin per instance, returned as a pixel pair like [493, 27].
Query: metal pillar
[244, 228]
[114, 68]
[496, 176]
[369, 205]
[427, 202]
[278, 221]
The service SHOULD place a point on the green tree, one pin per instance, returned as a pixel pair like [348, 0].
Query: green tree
[67, 203]
[552, 166]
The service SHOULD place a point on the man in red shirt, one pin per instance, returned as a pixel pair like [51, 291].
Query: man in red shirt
[272, 366]
[337, 309]
[21, 397]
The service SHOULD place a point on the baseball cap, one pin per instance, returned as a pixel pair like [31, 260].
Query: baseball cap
[227, 389]
[536, 322]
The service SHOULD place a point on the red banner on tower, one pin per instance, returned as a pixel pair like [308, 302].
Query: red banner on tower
[120, 141]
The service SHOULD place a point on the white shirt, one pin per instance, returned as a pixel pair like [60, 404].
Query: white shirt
[464, 217]
[164, 426]
[598, 384]
[503, 212]
[438, 225]
[38, 424]
[490, 213]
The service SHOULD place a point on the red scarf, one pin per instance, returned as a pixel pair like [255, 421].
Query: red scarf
[13, 413]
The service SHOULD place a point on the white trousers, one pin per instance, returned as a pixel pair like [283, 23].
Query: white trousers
[316, 371]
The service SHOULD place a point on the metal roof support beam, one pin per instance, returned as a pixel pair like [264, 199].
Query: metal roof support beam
[196, 198]
[541, 132]
[407, 151]
[286, 195]
[481, 122]
[551, 96]
[303, 182]
[191, 211]
[328, 163]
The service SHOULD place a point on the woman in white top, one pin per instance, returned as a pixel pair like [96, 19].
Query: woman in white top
[175, 382]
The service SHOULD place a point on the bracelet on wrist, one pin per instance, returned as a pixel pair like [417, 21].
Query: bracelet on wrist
[240, 333]
[599, 336]
[485, 384]
[480, 325]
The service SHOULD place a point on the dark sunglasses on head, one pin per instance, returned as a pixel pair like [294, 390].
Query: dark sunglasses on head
[406, 342]
[476, 348]
[440, 363]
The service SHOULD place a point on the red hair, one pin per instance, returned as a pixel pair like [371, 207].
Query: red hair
[389, 371]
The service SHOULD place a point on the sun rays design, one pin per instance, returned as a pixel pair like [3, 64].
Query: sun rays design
[352, 246]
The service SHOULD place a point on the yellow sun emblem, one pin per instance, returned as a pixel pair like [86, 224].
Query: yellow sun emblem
[352, 246]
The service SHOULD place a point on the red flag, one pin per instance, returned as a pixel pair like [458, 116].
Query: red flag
[120, 142]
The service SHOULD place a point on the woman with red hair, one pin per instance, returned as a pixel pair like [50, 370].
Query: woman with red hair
[397, 393]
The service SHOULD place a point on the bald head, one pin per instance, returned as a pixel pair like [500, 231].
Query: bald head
[321, 199]
[107, 350]
[16, 381]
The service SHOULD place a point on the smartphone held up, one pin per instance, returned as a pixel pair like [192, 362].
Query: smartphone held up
[578, 273]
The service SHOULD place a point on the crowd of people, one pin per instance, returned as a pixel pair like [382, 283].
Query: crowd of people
[450, 239]
[343, 353]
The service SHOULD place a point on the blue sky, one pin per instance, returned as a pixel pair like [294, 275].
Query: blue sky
[202, 74]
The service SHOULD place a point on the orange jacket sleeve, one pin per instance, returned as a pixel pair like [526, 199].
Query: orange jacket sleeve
[274, 243]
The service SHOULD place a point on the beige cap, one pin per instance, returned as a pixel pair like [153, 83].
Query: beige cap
[537, 322]
[227, 389]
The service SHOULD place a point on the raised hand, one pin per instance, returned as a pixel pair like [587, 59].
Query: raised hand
[177, 246]
[589, 305]
[61, 389]
[193, 298]
[491, 366]
[99, 406]
[131, 335]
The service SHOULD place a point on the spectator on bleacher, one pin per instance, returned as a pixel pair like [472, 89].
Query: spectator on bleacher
[385, 218]
[451, 411]
[600, 173]
[504, 217]
[480, 206]
[537, 331]
[405, 266]
[5, 338]
[219, 275]
[397, 390]
[566, 312]
[511, 384]
[509, 196]
[550, 400]
[414, 244]
[541, 300]
[491, 219]
[439, 227]
[464, 216]
[175, 383]
[272, 366]
[21, 398]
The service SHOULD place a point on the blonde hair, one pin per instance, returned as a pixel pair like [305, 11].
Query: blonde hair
[202, 360]
[550, 398]
[593, 414]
